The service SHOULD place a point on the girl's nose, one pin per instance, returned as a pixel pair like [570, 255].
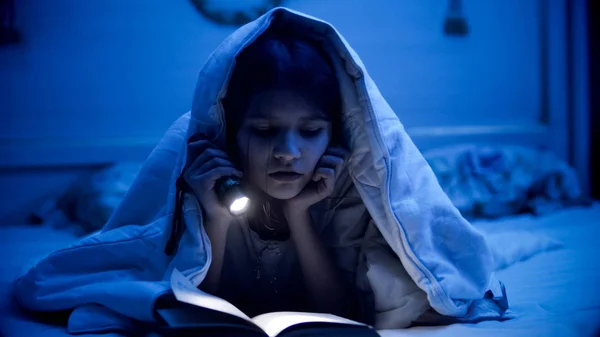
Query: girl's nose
[287, 148]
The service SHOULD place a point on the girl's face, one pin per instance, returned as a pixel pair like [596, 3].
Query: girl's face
[280, 141]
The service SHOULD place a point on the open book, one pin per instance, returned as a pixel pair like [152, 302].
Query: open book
[196, 313]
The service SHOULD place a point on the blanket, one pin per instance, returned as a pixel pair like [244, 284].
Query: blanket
[416, 253]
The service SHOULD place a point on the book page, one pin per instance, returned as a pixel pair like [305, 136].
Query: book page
[275, 322]
[186, 292]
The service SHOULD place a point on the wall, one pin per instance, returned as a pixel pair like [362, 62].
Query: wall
[594, 99]
[101, 80]
[99, 73]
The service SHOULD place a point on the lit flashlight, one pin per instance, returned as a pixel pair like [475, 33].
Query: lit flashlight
[229, 192]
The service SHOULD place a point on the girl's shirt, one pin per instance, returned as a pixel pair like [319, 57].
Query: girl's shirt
[261, 276]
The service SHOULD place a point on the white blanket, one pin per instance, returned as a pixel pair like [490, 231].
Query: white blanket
[431, 256]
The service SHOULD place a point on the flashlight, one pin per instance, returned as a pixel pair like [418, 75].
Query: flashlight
[230, 194]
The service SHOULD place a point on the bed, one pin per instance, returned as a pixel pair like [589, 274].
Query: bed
[554, 293]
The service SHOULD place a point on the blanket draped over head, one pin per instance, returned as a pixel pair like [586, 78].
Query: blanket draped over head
[416, 254]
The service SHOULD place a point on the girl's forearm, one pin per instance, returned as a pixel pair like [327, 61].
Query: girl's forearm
[323, 280]
[217, 233]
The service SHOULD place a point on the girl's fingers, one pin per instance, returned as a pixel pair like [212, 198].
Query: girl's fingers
[331, 161]
[195, 148]
[326, 177]
[324, 173]
[207, 155]
[338, 152]
[209, 178]
[214, 163]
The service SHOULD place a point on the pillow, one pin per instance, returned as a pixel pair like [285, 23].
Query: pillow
[86, 205]
[489, 182]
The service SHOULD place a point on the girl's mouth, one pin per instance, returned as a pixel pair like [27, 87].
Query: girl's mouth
[285, 176]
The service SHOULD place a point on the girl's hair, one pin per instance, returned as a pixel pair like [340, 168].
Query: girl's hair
[279, 60]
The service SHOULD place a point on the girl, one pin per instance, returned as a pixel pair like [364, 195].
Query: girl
[282, 116]
[367, 234]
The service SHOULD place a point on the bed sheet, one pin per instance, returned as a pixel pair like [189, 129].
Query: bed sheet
[556, 293]
[20, 247]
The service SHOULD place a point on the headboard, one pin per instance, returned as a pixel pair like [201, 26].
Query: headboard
[517, 78]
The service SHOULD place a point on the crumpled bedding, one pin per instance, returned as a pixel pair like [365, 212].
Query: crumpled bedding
[86, 205]
[416, 246]
[27, 244]
[485, 181]
[481, 181]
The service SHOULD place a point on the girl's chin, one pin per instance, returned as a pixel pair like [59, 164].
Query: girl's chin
[283, 194]
[278, 193]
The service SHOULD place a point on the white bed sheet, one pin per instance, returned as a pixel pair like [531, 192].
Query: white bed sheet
[556, 293]
[20, 247]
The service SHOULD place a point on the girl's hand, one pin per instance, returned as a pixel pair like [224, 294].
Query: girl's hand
[323, 181]
[206, 165]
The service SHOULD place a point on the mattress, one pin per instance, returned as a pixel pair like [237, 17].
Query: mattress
[555, 293]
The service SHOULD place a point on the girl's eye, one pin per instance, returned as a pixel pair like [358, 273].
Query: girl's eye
[262, 130]
[311, 132]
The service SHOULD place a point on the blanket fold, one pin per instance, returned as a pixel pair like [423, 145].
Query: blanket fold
[417, 247]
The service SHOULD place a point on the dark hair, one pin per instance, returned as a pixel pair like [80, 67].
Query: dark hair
[279, 60]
